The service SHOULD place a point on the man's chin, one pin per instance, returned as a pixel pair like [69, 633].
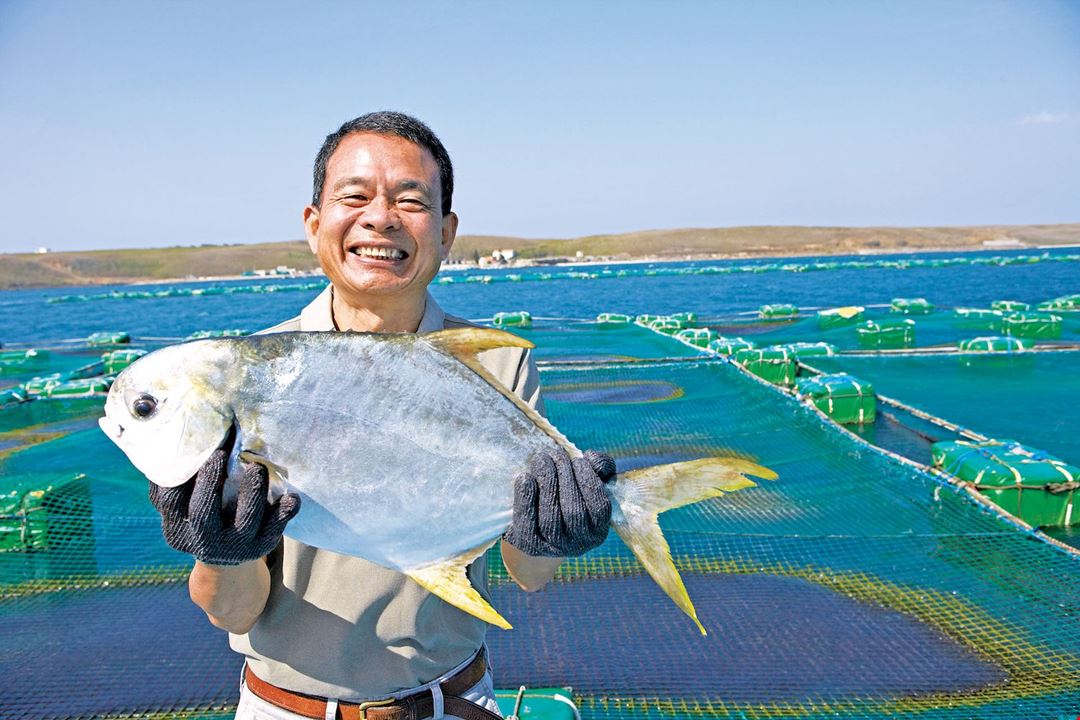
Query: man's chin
[355, 288]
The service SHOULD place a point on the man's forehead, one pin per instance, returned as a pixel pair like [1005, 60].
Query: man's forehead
[389, 151]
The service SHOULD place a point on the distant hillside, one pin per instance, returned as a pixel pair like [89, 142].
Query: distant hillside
[771, 241]
[115, 266]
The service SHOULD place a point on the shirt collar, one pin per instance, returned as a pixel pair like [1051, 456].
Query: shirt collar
[434, 318]
[318, 316]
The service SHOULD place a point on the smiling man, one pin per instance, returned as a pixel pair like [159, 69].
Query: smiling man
[331, 636]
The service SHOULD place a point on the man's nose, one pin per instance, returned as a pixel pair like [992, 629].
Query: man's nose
[380, 216]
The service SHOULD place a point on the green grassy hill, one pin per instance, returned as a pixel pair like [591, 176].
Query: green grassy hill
[770, 241]
[112, 266]
[116, 266]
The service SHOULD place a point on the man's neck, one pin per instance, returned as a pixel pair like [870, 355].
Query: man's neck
[389, 316]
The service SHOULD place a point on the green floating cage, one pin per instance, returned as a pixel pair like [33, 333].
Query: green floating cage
[537, 704]
[688, 319]
[613, 320]
[666, 325]
[13, 396]
[730, 345]
[1065, 303]
[886, 334]
[995, 344]
[518, 319]
[911, 306]
[779, 311]
[78, 387]
[108, 338]
[776, 365]
[40, 384]
[69, 382]
[1033, 485]
[203, 334]
[18, 361]
[839, 316]
[1039, 325]
[808, 349]
[845, 399]
[1010, 305]
[646, 320]
[978, 318]
[46, 516]
[698, 337]
[117, 360]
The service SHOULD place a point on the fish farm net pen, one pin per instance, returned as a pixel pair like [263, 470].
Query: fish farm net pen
[860, 584]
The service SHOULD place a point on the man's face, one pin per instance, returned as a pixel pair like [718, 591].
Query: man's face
[380, 233]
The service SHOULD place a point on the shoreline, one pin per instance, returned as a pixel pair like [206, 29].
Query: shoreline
[575, 262]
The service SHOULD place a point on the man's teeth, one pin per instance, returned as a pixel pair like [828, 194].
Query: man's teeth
[383, 253]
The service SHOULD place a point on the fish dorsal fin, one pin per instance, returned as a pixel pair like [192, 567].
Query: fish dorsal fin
[465, 344]
[471, 341]
[449, 581]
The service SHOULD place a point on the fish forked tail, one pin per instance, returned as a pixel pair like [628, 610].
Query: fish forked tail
[639, 496]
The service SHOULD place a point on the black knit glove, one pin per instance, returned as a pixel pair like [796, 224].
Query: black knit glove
[194, 521]
[560, 506]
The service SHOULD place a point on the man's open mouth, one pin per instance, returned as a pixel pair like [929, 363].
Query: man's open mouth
[379, 253]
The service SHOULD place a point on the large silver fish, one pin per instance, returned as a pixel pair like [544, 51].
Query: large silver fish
[403, 448]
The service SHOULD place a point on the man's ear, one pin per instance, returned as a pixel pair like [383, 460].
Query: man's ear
[449, 232]
[311, 228]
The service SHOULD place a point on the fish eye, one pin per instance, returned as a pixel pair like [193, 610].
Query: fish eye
[144, 406]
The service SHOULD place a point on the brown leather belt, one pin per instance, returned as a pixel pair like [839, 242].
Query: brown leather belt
[417, 706]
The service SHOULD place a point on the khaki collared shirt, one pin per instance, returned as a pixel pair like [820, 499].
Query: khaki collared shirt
[342, 627]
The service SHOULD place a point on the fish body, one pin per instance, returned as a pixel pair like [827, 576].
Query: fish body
[402, 447]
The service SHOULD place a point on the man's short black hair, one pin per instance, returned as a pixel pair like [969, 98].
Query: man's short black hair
[388, 122]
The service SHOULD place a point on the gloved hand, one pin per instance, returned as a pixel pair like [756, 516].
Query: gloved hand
[193, 520]
[560, 505]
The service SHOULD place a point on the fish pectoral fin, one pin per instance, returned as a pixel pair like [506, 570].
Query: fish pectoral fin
[470, 342]
[449, 581]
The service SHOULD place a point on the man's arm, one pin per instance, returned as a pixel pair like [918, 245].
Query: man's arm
[230, 580]
[232, 596]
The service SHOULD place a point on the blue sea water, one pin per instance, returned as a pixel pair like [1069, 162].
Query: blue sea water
[758, 656]
[28, 316]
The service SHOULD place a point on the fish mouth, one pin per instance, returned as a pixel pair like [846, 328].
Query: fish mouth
[378, 252]
[229, 440]
[111, 428]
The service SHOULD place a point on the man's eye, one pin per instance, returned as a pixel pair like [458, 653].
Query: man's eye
[415, 203]
[355, 199]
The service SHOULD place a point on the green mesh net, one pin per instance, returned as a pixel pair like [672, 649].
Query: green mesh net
[857, 585]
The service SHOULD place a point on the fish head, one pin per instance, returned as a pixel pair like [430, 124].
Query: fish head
[167, 411]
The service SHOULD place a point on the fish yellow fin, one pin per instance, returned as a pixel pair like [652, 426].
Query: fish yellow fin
[448, 581]
[641, 495]
[465, 343]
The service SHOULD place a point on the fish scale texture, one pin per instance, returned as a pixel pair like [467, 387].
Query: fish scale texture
[854, 586]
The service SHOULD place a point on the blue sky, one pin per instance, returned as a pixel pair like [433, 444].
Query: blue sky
[139, 124]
